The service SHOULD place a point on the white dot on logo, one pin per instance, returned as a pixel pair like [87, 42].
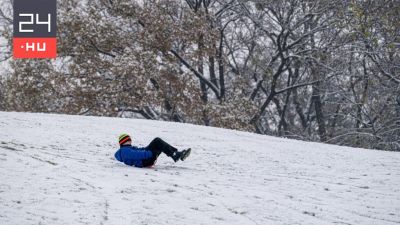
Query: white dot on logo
[22, 46]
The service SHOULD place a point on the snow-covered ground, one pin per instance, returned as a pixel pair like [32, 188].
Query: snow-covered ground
[58, 169]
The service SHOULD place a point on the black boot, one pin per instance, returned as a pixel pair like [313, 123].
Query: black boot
[185, 153]
[182, 155]
[176, 156]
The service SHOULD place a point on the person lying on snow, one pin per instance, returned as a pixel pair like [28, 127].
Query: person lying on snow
[147, 156]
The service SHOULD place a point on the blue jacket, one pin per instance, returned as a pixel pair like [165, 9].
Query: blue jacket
[132, 155]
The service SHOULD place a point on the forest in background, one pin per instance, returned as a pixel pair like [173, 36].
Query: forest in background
[325, 71]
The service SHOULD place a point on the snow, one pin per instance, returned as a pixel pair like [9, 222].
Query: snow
[59, 169]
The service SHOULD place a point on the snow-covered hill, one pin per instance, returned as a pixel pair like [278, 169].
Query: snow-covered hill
[58, 169]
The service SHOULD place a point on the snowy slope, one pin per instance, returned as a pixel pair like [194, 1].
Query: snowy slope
[58, 169]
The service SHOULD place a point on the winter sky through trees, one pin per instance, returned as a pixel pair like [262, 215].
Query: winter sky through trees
[321, 70]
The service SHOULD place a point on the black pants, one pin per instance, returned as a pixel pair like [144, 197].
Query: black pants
[156, 146]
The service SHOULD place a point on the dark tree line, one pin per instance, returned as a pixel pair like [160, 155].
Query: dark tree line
[320, 70]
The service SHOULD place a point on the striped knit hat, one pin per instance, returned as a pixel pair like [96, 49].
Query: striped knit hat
[123, 138]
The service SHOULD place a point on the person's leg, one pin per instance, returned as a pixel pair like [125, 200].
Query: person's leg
[157, 145]
[151, 161]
